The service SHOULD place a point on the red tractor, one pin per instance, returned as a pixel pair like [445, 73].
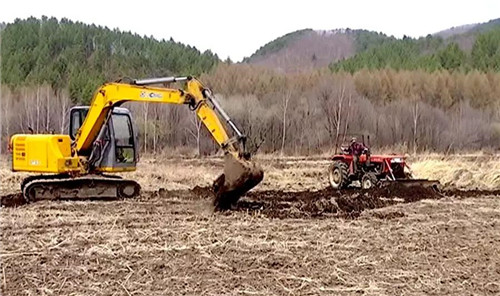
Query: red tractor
[372, 171]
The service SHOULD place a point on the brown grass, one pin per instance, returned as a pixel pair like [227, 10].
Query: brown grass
[291, 173]
[481, 172]
[172, 243]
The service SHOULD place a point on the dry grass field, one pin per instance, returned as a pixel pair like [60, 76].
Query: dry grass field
[290, 236]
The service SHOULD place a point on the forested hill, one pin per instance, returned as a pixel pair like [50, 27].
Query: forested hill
[466, 47]
[469, 29]
[79, 57]
[476, 50]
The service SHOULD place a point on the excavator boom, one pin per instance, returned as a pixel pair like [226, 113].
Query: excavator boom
[114, 94]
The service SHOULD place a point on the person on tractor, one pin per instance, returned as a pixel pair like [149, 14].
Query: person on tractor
[356, 149]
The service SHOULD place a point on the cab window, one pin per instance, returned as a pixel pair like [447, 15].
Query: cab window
[77, 117]
[124, 138]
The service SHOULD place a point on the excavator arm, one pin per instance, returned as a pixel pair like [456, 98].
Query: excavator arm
[240, 174]
[194, 94]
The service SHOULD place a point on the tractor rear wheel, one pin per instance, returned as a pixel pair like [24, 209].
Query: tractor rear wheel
[369, 180]
[338, 175]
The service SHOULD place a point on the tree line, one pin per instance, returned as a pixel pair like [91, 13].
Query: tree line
[311, 112]
[306, 113]
[78, 57]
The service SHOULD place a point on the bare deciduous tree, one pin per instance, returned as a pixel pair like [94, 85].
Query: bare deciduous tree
[301, 112]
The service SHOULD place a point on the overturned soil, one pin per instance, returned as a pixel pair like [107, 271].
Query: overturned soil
[350, 203]
[12, 200]
[324, 203]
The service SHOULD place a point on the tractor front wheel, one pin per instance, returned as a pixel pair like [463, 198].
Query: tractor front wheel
[338, 175]
[369, 180]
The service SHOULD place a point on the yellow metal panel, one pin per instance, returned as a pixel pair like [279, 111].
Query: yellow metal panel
[211, 121]
[117, 169]
[43, 153]
[19, 158]
[63, 145]
[67, 164]
[37, 152]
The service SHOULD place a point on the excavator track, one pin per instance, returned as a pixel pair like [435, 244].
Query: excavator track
[64, 187]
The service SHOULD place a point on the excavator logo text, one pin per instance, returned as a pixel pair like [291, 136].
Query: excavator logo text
[151, 95]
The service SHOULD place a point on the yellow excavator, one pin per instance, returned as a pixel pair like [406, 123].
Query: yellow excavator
[102, 140]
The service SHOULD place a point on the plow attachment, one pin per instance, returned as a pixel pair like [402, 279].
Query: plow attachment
[240, 175]
[411, 183]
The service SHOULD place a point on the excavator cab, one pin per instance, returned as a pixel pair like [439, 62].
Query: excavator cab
[115, 150]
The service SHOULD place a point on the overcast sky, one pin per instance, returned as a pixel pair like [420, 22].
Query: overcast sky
[238, 28]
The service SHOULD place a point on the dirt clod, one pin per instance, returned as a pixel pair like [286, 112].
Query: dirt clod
[408, 193]
[388, 215]
[12, 200]
[203, 192]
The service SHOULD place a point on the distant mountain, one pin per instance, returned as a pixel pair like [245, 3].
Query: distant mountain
[455, 31]
[308, 49]
[469, 28]
[465, 35]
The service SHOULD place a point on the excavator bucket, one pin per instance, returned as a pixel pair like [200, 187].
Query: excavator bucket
[240, 175]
